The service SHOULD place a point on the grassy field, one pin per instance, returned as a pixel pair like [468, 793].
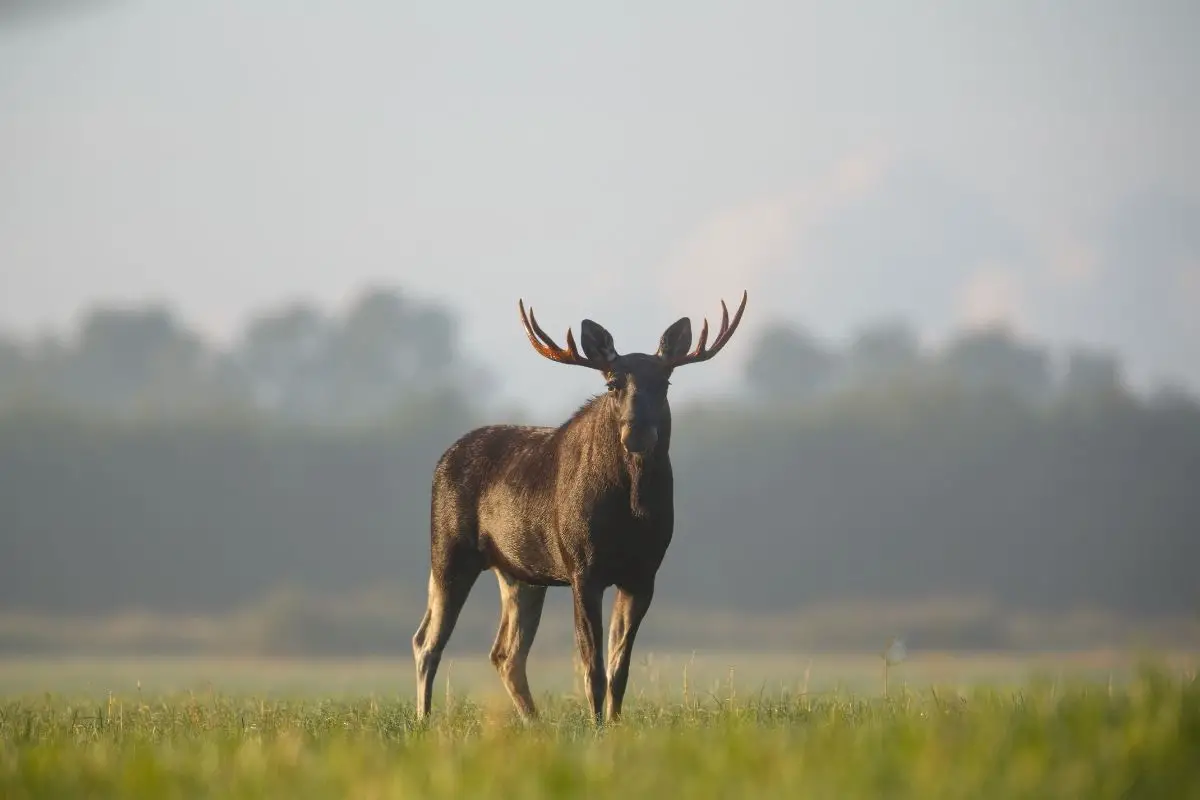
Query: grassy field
[715, 725]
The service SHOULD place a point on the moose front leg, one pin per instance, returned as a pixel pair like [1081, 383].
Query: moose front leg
[629, 609]
[589, 638]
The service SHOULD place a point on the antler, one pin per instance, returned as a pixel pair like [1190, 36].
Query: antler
[546, 346]
[723, 336]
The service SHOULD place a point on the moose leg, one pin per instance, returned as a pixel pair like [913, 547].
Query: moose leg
[447, 594]
[629, 609]
[589, 638]
[520, 613]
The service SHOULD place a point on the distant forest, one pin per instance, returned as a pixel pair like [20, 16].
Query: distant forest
[388, 356]
[142, 468]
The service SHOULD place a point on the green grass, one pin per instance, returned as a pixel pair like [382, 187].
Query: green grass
[1071, 737]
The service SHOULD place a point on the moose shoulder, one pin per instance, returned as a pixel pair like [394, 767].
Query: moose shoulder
[588, 504]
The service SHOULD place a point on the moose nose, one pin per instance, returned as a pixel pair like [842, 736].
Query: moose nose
[639, 439]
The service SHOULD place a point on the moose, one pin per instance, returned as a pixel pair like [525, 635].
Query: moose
[588, 504]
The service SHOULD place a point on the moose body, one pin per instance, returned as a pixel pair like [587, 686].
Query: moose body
[588, 504]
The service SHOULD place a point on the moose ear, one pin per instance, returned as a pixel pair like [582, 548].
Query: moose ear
[597, 343]
[676, 340]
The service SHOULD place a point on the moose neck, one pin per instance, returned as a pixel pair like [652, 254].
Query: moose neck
[604, 454]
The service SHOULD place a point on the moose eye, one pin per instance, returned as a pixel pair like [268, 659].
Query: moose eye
[615, 383]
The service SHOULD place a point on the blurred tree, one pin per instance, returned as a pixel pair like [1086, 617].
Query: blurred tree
[787, 362]
[385, 353]
[139, 361]
[992, 358]
[388, 349]
[48, 358]
[1173, 397]
[279, 354]
[15, 370]
[1092, 373]
[202, 514]
[881, 352]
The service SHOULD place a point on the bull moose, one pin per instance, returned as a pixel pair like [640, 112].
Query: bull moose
[588, 504]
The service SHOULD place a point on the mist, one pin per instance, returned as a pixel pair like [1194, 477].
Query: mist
[260, 265]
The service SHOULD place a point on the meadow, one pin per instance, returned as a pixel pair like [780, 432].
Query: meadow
[703, 725]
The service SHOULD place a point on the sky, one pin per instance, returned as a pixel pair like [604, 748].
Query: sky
[951, 164]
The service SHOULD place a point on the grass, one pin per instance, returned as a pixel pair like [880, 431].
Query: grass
[1070, 736]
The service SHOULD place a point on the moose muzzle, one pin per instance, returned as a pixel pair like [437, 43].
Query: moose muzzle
[639, 440]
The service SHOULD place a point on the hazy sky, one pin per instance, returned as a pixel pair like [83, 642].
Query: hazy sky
[945, 162]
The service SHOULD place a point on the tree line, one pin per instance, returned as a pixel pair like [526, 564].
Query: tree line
[389, 352]
[875, 471]
[295, 364]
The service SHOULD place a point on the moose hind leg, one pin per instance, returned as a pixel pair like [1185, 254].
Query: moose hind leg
[448, 591]
[520, 614]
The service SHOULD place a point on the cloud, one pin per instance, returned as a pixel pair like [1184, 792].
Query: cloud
[1129, 280]
[743, 246]
[877, 236]
[859, 173]
[905, 243]
[748, 246]
[1189, 284]
[735, 245]
[1073, 262]
[1189, 297]
[992, 295]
